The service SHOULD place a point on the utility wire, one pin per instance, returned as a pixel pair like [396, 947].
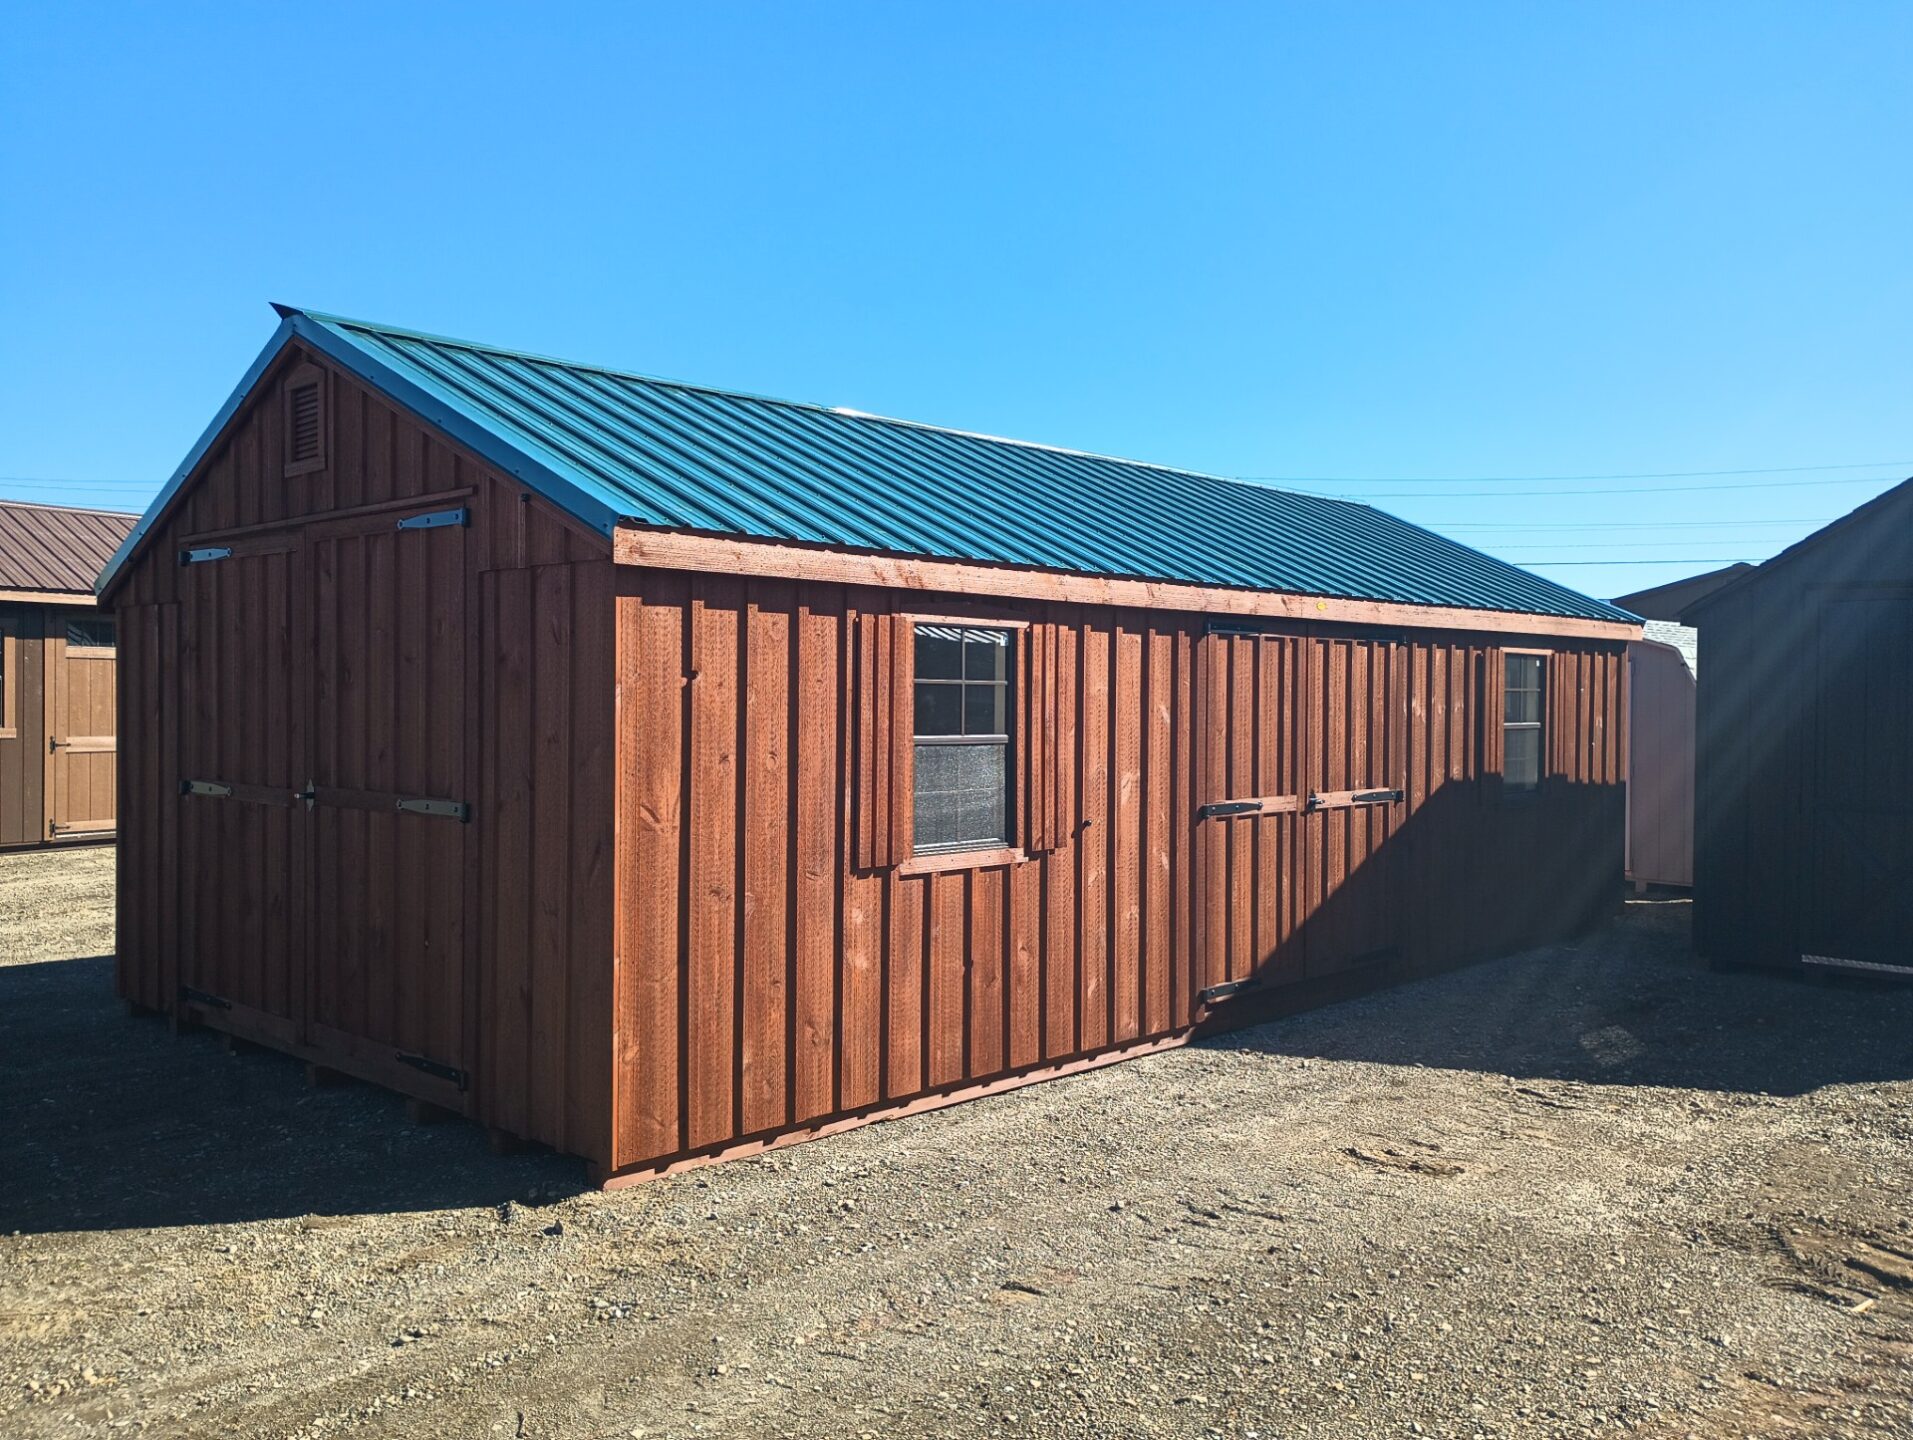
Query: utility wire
[1636, 524]
[1690, 560]
[41, 482]
[1536, 479]
[1553, 545]
[1605, 490]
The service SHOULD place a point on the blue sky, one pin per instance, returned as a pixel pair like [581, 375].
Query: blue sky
[1339, 244]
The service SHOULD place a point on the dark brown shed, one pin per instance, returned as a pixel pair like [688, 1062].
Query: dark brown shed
[56, 674]
[662, 773]
[1804, 797]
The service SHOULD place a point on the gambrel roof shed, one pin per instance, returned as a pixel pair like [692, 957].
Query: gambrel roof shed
[660, 773]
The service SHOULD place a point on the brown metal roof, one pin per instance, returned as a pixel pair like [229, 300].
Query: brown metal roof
[57, 548]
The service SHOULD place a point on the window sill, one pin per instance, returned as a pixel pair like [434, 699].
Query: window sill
[961, 860]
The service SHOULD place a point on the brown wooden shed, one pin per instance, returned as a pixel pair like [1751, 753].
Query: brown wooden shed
[662, 773]
[56, 674]
[1804, 792]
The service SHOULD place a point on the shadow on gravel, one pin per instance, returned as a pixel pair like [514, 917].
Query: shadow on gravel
[1628, 1004]
[109, 1122]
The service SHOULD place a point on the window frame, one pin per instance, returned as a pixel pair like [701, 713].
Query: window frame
[91, 652]
[919, 861]
[9, 675]
[1522, 793]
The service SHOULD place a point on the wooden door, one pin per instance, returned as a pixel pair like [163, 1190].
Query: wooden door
[241, 758]
[1859, 803]
[1302, 777]
[385, 988]
[80, 723]
[1252, 792]
[1357, 764]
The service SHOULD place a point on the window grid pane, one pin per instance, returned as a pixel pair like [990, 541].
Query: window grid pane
[90, 631]
[962, 710]
[1522, 715]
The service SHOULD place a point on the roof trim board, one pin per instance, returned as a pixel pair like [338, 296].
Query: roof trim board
[48, 597]
[729, 554]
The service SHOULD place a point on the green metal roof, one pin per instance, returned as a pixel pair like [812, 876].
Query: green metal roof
[615, 448]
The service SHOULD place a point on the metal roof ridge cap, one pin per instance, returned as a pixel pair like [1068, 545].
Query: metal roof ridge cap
[839, 411]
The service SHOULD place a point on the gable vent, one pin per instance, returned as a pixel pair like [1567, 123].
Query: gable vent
[305, 420]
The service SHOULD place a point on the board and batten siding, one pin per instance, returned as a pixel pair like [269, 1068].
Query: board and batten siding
[471, 663]
[684, 918]
[771, 978]
[1803, 821]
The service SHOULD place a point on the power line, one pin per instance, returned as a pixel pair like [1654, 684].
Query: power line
[1690, 560]
[1611, 544]
[1526, 479]
[1635, 525]
[41, 482]
[1608, 490]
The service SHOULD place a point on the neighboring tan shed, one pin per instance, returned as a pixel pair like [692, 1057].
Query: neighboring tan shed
[662, 773]
[1660, 755]
[1661, 668]
[1804, 797]
[56, 674]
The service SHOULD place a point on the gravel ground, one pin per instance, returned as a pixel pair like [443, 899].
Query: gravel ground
[1587, 1190]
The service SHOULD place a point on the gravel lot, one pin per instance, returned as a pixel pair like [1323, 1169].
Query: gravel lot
[1587, 1190]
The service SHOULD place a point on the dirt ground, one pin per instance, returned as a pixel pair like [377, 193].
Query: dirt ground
[1587, 1190]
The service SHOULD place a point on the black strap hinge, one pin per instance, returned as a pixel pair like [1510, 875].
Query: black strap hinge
[1229, 807]
[435, 1067]
[1378, 797]
[1224, 991]
[436, 519]
[203, 998]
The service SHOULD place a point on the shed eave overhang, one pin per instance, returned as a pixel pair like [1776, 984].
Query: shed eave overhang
[47, 597]
[640, 545]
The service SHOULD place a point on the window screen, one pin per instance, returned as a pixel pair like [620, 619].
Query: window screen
[90, 631]
[1521, 723]
[962, 737]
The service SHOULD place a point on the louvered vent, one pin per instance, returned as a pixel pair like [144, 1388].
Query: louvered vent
[305, 424]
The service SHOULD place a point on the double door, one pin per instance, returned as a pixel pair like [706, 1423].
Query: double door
[1302, 767]
[323, 777]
